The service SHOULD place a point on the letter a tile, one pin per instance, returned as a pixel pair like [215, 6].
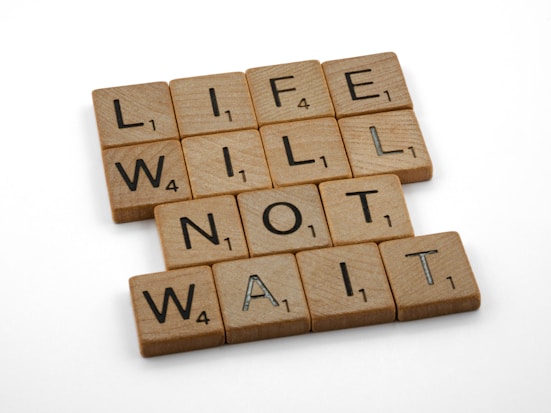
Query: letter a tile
[200, 231]
[176, 311]
[346, 287]
[261, 298]
[430, 276]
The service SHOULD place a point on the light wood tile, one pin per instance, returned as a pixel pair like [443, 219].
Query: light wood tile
[367, 84]
[387, 143]
[133, 114]
[176, 311]
[366, 209]
[283, 220]
[226, 163]
[290, 91]
[261, 298]
[309, 151]
[140, 177]
[346, 287]
[200, 231]
[430, 276]
[212, 104]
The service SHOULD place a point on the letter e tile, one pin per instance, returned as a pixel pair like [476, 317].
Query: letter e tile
[430, 276]
[176, 311]
[261, 298]
[367, 84]
[346, 287]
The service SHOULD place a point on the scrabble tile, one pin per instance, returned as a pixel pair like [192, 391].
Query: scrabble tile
[226, 163]
[127, 115]
[212, 103]
[176, 311]
[261, 298]
[430, 276]
[200, 231]
[291, 91]
[308, 151]
[283, 220]
[140, 177]
[387, 143]
[346, 287]
[365, 209]
[367, 84]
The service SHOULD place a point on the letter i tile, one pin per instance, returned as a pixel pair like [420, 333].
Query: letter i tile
[346, 287]
[212, 104]
[430, 276]
[176, 311]
[282, 220]
[261, 298]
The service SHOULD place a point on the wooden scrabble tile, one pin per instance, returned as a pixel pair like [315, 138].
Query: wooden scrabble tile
[261, 298]
[283, 220]
[367, 84]
[200, 231]
[308, 151]
[387, 142]
[213, 103]
[140, 177]
[346, 287]
[176, 311]
[127, 115]
[226, 163]
[365, 209]
[291, 91]
[430, 276]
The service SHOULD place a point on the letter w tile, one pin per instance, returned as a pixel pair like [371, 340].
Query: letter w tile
[140, 164]
[169, 293]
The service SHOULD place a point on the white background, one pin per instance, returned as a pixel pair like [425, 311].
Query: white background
[478, 73]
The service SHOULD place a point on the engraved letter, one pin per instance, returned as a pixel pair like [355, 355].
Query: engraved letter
[277, 91]
[271, 228]
[424, 263]
[352, 85]
[365, 206]
[266, 293]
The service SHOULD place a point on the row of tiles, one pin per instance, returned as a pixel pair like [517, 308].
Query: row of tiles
[315, 290]
[235, 101]
[311, 151]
